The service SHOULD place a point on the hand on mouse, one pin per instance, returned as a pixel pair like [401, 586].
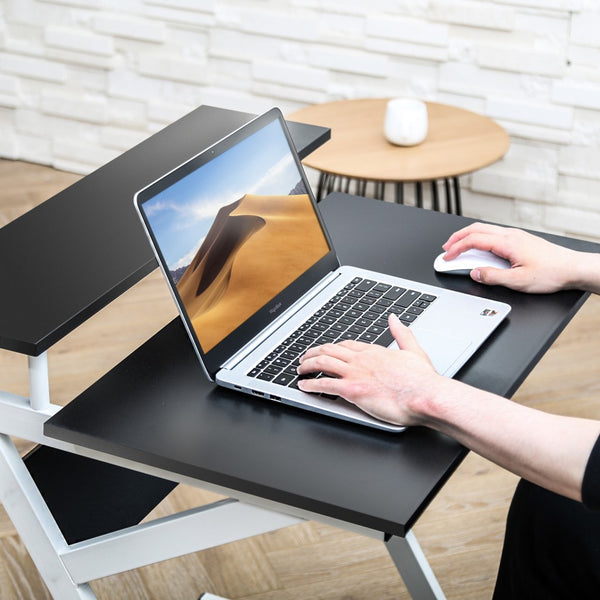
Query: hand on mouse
[392, 385]
[537, 266]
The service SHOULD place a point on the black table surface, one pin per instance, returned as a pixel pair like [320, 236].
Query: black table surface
[76, 252]
[157, 408]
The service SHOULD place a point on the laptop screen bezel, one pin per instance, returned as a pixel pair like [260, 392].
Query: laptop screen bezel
[251, 327]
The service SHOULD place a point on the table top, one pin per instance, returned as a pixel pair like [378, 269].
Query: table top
[458, 141]
[72, 255]
[157, 408]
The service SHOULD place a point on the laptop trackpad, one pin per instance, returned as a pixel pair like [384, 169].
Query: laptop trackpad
[446, 352]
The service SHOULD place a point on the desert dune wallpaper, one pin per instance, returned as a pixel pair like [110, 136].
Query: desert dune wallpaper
[256, 247]
[235, 232]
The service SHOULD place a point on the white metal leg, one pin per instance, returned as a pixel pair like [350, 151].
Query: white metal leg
[414, 568]
[39, 388]
[35, 524]
[189, 531]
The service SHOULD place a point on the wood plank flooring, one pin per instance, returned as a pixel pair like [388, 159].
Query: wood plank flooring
[461, 532]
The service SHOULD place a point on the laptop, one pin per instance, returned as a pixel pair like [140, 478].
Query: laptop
[253, 271]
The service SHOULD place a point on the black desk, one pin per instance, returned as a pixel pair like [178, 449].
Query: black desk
[157, 410]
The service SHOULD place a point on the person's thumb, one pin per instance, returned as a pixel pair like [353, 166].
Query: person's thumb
[403, 335]
[492, 276]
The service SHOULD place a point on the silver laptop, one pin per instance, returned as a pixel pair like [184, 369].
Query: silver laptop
[256, 279]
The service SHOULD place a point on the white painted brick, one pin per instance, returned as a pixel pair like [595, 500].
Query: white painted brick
[9, 147]
[528, 214]
[69, 38]
[167, 112]
[207, 6]
[275, 93]
[288, 74]
[407, 30]
[470, 79]
[467, 102]
[133, 28]
[124, 83]
[584, 56]
[522, 60]
[552, 27]
[35, 148]
[580, 161]
[575, 93]
[473, 14]
[336, 25]
[579, 192]
[513, 184]
[538, 133]
[487, 207]
[573, 221]
[584, 28]
[81, 3]
[9, 86]
[175, 67]
[563, 5]
[407, 49]
[229, 74]
[227, 43]
[34, 68]
[127, 113]
[350, 61]
[538, 113]
[173, 15]
[82, 59]
[292, 24]
[84, 107]
[8, 100]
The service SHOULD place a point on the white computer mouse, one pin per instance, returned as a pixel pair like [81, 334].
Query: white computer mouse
[464, 263]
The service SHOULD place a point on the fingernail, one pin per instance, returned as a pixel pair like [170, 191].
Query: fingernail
[476, 274]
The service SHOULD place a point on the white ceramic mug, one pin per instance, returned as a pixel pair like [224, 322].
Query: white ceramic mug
[405, 121]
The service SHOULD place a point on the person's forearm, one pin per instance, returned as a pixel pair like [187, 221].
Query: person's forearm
[549, 450]
[585, 274]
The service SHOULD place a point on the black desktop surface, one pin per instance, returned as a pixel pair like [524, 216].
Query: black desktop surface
[158, 409]
[73, 254]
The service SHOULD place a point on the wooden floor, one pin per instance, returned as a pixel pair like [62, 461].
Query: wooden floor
[461, 532]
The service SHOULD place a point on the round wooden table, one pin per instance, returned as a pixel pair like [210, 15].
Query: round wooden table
[458, 141]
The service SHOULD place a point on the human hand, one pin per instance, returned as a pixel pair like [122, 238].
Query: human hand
[391, 385]
[537, 266]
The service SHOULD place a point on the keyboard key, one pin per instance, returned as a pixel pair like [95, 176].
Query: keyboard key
[366, 285]
[428, 298]
[407, 299]
[385, 339]
[265, 376]
[394, 293]
[407, 317]
[284, 379]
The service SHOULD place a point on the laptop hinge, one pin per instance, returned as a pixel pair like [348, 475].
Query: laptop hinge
[281, 320]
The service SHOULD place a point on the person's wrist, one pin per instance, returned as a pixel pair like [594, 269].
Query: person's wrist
[428, 408]
[583, 271]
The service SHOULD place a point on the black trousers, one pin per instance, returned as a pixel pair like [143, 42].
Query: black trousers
[551, 548]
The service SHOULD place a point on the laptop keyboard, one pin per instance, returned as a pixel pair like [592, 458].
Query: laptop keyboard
[357, 312]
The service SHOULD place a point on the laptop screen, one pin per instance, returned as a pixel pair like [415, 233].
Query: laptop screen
[234, 227]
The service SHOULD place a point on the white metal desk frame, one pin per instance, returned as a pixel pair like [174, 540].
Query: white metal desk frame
[67, 568]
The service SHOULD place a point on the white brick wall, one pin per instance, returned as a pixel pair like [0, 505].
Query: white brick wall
[83, 80]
